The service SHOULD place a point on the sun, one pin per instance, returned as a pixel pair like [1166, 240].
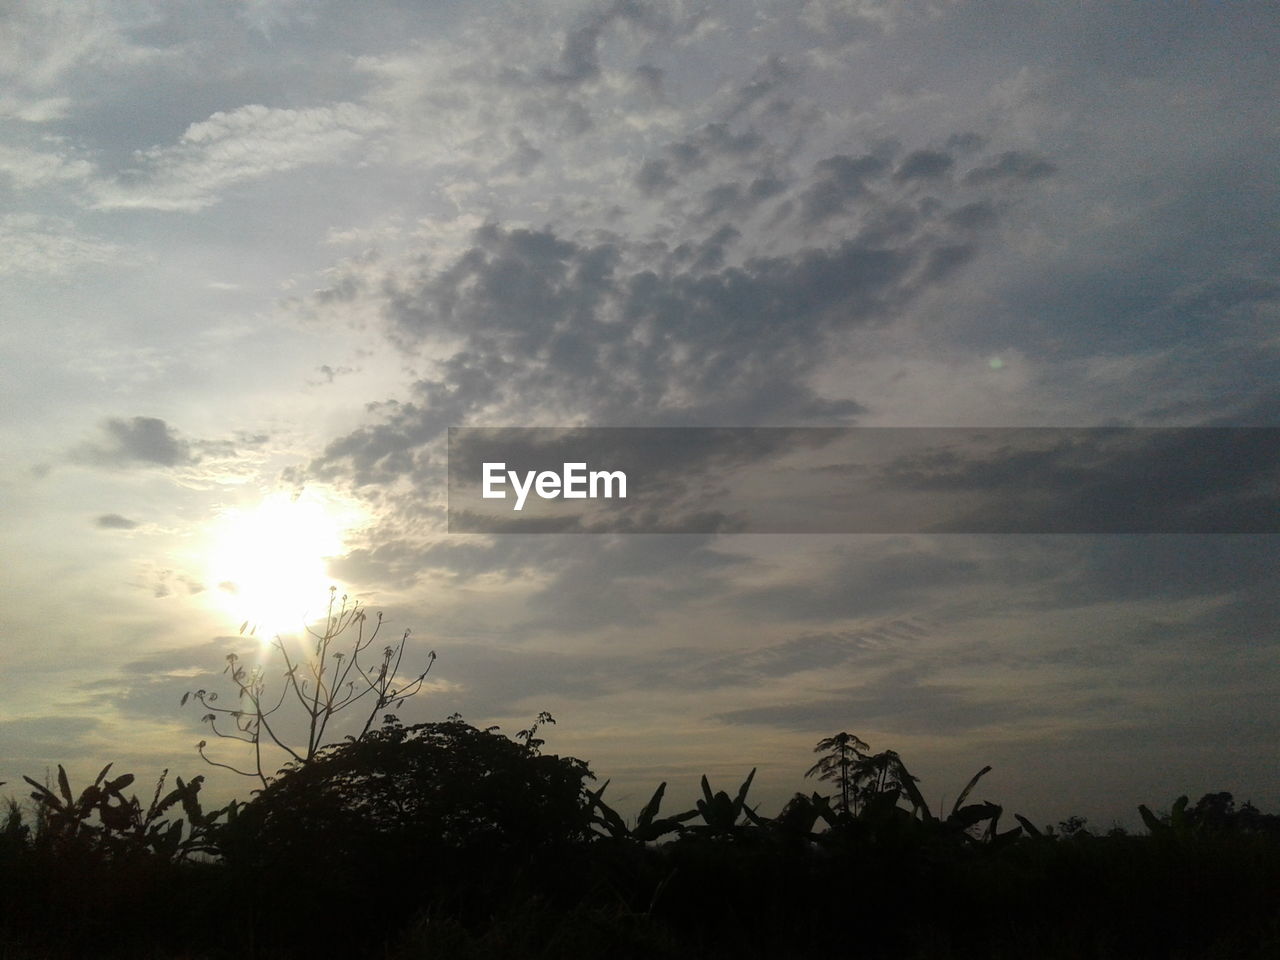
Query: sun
[269, 562]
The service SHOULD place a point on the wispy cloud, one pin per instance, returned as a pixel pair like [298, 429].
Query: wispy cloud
[236, 147]
[36, 245]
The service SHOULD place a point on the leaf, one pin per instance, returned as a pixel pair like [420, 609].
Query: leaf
[742, 792]
[1027, 825]
[242, 627]
[45, 796]
[965, 792]
[664, 826]
[917, 799]
[609, 819]
[191, 801]
[651, 808]
[1153, 823]
[64, 785]
[118, 784]
[966, 817]
[706, 790]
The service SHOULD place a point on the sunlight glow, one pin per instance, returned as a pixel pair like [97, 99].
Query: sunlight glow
[269, 563]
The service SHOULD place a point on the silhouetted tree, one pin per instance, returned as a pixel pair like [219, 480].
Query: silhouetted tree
[401, 793]
[841, 756]
[405, 818]
[328, 681]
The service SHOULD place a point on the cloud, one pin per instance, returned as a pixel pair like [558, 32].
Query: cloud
[713, 142]
[27, 168]
[32, 245]
[878, 579]
[39, 110]
[36, 739]
[139, 440]
[624, 332]
[579, 60]
[873, 643]
[42, 44]
[1012, 166]
[236, 147]
[151, 686]
[1155, 481]
[838, 181]
[150, 441]
[924, 165]
[114, 521]
[841, 22]
[771, 77]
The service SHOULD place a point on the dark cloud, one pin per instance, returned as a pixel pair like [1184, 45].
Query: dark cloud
[1115, 569]
[654, 177]
[328, 374]
[524, 157]
[837, 182]
[877, 644]
[924, 165]
[630, 333]
[1012, 166]
[1179, 296]
[579, 60]
[139, 440]
[974, 216]
[1090, 481]
[628, 581]
[182, 661]
[711, 143]
[878, 579]
[651, 80]
[837, 24]
[660, 331]
[45, 739]
[153, 685]
[966, 142]
[736, 200]
[114, 521]
[768, 79]
[902, 701]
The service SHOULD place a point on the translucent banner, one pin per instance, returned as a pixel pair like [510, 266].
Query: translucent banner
[864, 480]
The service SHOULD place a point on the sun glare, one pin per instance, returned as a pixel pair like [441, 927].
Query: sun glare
[270, 562]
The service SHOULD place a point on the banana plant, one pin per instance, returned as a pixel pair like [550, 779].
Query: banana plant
[801, 815]
[103, 817]
[1176, 827]
[648, 826]
[962, 817]
[68, 816]
[720, 812]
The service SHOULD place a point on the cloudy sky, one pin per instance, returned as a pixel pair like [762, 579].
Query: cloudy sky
[257, 257]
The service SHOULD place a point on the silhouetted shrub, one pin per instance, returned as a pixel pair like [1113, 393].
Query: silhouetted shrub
[410, 816]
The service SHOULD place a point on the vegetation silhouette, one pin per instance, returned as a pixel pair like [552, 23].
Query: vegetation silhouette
[445, 840]
[102, 820]
[442, 813]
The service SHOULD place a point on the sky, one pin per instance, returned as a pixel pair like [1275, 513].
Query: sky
[256, 258]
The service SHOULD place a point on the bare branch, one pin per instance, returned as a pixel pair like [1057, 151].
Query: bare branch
[334, 679]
